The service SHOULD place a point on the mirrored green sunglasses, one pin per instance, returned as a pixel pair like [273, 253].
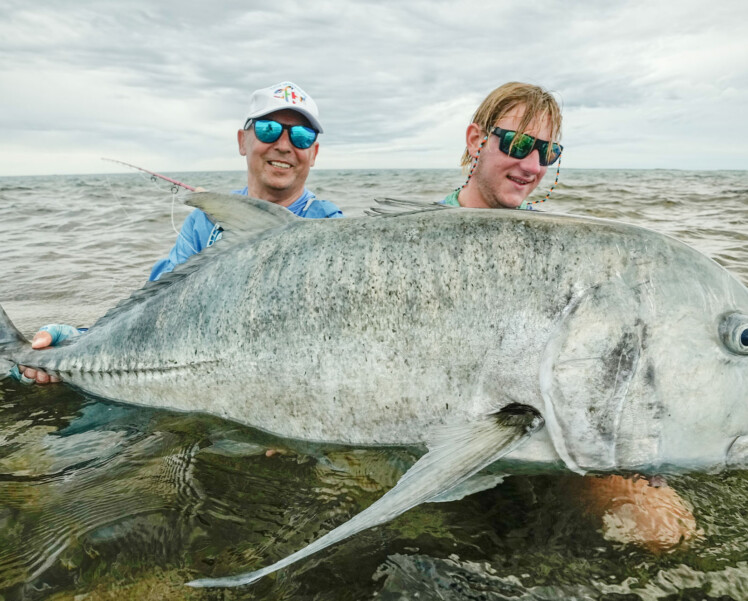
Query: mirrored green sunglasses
[520, 147]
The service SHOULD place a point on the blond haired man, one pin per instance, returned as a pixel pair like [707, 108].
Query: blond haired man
[510, 142]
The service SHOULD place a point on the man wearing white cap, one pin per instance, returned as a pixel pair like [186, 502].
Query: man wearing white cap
[279, 139]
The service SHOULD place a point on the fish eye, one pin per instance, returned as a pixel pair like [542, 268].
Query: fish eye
[733, 330]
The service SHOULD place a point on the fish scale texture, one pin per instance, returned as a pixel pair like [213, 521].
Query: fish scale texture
[381, 330]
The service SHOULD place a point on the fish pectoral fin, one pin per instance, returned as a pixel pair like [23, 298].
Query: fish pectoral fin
[456, 454]
[477, 483]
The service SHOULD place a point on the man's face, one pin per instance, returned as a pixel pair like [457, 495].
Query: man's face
[277, 171]
[499, 181]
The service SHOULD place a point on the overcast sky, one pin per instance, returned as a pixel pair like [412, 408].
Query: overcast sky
[164, 83]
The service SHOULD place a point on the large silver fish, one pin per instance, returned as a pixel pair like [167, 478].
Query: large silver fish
[462, 330]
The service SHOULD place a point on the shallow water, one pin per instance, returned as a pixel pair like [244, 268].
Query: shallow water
[112, 501]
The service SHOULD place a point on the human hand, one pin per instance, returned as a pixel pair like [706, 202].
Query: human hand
[49, 335]
[631, 510]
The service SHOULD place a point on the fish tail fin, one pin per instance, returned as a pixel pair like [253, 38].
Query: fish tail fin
[8, 332]
[10, 339]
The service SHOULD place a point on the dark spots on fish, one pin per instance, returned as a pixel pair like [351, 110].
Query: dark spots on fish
[622, 359]
[649, 375]
[643, 333]
[569, 296]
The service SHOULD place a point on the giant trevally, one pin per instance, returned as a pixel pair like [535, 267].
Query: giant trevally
[465, 331]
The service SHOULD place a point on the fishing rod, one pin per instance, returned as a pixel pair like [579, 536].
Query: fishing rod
[153, 175]
[175, 185]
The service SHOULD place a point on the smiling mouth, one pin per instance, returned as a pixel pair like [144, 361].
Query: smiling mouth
[280, 164]
[519, 180]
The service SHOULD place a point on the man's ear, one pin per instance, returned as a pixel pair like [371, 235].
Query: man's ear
[473, 138]
[315, 150]
[240, 137]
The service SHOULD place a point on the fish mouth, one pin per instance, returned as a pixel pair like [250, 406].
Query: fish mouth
[737, 453]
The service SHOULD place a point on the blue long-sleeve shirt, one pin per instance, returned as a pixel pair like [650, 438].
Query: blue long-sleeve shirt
[199, 232]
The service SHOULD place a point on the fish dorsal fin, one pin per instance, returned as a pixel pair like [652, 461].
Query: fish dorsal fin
[241, 217]
[240, 214]
[390, 207]
[151, 289]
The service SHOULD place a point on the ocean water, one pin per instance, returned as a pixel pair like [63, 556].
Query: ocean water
[101, 501]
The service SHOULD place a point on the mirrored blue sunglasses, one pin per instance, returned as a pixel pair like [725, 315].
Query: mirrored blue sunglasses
[268, 131]
[520, 147]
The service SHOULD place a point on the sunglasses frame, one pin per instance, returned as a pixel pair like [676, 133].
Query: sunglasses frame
[540, 145]
[252, 122]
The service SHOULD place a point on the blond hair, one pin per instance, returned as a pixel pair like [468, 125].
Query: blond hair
[539, 105]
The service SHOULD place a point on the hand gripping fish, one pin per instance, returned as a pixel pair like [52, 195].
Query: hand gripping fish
[520, 338]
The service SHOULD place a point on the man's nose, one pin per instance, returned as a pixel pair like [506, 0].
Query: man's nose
[284, 142]
[531, 163]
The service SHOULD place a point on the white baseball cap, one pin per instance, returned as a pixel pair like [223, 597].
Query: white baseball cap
[285, 95]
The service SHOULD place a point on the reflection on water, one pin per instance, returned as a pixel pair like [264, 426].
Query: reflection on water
[81, 476]
[102, 501]
[101, 498]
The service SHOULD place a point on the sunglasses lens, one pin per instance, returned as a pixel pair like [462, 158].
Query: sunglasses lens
[545, 158]
[268, 131]
[555, 153]
[505, 139]
[522, 147]
[302, 137]
[525, 144]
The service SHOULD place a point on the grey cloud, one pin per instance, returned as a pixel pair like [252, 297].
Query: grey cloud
[383, 73]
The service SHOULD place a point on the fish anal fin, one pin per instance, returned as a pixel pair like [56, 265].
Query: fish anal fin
[456, 453]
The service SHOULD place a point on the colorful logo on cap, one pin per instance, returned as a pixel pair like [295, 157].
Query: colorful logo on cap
[290, 95]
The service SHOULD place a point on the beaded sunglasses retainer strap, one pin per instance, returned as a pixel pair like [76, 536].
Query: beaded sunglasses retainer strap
[558, 169]
[475, 163]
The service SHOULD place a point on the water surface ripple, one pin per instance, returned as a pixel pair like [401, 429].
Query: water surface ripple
[101, 501]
